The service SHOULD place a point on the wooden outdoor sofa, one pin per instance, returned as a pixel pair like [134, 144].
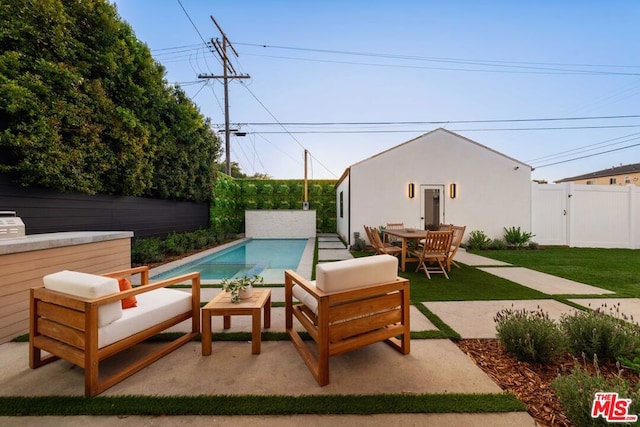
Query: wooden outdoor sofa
[79, 317]
[352, 304]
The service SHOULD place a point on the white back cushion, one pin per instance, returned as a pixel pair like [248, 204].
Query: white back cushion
[87, 286]
[356, 273]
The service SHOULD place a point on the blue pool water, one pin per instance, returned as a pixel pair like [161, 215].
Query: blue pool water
[263, 257]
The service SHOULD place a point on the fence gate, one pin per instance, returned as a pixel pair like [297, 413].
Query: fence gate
[549, 214]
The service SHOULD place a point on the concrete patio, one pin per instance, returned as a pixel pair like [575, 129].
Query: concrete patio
[433, 366]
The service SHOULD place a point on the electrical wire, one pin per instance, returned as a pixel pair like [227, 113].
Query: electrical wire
[285, 129]
[543, 119]
[590, 155]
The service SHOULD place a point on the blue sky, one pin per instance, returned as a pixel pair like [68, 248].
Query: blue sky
[387, 63]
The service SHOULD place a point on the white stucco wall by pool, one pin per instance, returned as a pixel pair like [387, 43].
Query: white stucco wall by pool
[280, 224]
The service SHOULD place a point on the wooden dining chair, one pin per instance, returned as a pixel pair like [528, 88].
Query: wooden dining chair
[382, 248]
[456, 240]
[432, 257]
[394, 226]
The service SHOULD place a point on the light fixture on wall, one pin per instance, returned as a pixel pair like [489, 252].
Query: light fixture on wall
[412, 190]
[453, 190]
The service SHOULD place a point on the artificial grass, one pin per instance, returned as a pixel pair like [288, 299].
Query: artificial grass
[466, 284]
[617, 270]
[260, 405]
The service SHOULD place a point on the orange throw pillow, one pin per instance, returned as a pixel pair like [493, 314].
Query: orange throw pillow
[128, 302]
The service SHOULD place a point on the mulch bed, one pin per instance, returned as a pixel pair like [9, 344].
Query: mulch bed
[531, 382]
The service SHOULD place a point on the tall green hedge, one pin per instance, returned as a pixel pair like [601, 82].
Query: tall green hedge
[233, 196]
[85, 108]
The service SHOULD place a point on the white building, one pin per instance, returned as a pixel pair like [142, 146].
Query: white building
[439, 177]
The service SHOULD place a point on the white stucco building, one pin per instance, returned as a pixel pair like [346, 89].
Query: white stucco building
[439, 177]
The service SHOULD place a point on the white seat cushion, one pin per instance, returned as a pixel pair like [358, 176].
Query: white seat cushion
[87, 286]
[356, 273]
[153, 307]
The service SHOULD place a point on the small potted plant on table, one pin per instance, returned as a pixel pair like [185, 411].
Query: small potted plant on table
[241, 288]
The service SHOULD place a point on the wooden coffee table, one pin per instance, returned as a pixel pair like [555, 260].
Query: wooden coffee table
[221, 305]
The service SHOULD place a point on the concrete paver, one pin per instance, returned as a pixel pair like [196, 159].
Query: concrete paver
[330, 245]
[543, 282]
[474, 319]
[476, 260]
[334, 254]
[377, 420]
[433, 366]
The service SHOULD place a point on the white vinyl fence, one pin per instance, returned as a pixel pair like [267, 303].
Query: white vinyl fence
[586, 215]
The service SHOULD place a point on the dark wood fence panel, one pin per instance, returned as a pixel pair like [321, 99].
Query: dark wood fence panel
[46, 211]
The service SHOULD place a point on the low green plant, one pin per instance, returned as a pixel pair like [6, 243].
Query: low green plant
[633, 364]
[235, 286]
[146, 250]
[516, 238]
[577, 391]
[529, 335]
[478, 240]
[498, 245]
[175, 244]
[604, 332]
[359, 245]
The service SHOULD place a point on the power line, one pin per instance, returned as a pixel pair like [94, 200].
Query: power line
[286, 130]
[364, 131]
[590, 155]
[427, 58]
[497, 66]
[440, 122]
[589, 147]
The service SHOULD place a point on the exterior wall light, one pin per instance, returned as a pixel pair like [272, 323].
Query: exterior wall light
[453, 190]
[412, 190]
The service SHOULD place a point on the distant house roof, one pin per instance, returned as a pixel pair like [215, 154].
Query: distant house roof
[616, 170]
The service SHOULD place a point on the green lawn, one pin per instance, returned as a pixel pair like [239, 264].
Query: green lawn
[465, 284]
[617, 270]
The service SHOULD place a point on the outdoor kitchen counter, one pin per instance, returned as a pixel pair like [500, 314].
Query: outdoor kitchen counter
[24, 261]
[36, 242]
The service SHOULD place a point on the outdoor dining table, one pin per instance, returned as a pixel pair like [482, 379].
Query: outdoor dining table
[406, 234]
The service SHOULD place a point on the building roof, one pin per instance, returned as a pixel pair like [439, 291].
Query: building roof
[347, 171]
[615, 170]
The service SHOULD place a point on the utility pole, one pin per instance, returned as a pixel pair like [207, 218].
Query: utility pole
[305, 203]
[228, 73]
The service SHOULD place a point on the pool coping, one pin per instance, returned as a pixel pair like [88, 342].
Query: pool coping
[304, 267]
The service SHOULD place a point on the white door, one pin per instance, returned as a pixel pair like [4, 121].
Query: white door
[431, 206]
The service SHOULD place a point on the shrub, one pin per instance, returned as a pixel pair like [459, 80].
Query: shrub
[576, 393]
[529, 335]
[498, 244]
[144, 251]
[478, 240]
[517, 238]
[175, 244]
[606, 335]
[359, 245]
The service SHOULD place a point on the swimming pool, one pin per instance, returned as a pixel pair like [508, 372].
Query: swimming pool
[264, 257]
